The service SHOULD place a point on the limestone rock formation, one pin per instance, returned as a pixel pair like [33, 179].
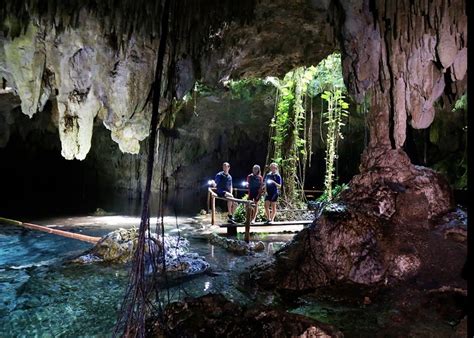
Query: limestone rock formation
[87, 76]
[357, 247]
[84, 76]
[236, 246]
[214, 316]
[398, 191]
[119, 247]
[405, 55]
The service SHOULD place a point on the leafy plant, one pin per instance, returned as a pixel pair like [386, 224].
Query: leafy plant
[336, 111]
[291, 128]
[461, 103]
[240, 212]
[335, 193]
[246, 89]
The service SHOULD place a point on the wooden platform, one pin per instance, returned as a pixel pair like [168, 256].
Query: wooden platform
[232, 228]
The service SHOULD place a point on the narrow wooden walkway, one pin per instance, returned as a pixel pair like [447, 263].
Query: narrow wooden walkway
[230, 225]
[232, 228]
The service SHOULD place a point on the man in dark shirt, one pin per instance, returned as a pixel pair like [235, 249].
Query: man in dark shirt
[223, 183]
[273, 183]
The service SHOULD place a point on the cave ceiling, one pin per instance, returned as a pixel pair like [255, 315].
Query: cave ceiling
[96, 64]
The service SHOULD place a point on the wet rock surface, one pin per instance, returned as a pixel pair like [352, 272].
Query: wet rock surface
[353, 247]
[214, 316]
[236, 246]
[399, 311]
[119, 246]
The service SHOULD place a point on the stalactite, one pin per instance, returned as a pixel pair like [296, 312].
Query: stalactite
[141, 17]
[403, 60]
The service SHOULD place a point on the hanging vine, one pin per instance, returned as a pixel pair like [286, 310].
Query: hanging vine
[336, 111]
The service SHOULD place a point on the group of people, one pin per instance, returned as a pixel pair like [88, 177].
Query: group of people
[270, 185]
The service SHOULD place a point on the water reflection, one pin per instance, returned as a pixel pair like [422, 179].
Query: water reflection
[41, 294]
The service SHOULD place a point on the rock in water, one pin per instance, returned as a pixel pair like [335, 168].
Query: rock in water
[118, 247]
[236, 246]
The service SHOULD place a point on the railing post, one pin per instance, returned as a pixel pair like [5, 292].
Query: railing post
[247, 222]
[208, 201]
[213, 210]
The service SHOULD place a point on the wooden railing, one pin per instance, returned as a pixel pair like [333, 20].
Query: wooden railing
[249, 205]
[235, 190]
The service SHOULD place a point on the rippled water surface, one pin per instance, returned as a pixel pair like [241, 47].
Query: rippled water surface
[42, 294]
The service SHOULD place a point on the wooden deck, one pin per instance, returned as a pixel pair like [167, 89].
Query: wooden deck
[232, 228]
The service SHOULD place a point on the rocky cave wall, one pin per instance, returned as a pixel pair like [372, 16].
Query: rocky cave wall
[88, 81]
[220, 128]
[72, 79]
[404, 56]
[87, 77]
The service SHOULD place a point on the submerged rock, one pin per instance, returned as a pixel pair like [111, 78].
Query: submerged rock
[236, 246]
[214, 316]
[119, 247]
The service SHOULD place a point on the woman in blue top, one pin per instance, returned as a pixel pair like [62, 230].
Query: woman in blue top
[255, 189]
[273, 183]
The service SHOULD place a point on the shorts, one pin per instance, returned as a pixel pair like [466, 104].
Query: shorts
[272, 198]
[254, 195]
[221, 193]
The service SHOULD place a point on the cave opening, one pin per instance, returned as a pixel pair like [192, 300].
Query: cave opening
[381, 250]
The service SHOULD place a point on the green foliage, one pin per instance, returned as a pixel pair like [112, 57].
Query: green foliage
[239, 213]
[454, 170]
[291, 136]
[461, 103]
[336, 112]
[328, 75]
[246, 89]
[335, 193]
[203, 90]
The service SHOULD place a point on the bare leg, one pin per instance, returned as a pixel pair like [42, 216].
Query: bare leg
[230, 204]
[267, 209]
[254, 212]
[274, 210]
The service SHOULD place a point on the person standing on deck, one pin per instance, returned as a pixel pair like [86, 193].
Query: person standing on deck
[273, 183]
[223, 183]
[255, 189]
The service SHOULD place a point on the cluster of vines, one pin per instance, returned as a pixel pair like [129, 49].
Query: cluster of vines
[291, 128]
[336, 111]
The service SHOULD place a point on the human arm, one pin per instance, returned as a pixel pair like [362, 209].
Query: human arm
[277, 181]
[216, 181]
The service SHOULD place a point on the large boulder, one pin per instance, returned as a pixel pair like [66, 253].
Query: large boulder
[354, 247]
[392, 188]
[119, 247]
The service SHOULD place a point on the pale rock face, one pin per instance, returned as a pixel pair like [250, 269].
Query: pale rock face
[23, 66]
[85, 78]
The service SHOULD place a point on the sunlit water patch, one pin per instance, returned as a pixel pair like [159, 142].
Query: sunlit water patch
[42, 294]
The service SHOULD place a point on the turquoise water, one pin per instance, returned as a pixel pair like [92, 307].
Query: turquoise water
[41, 294]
